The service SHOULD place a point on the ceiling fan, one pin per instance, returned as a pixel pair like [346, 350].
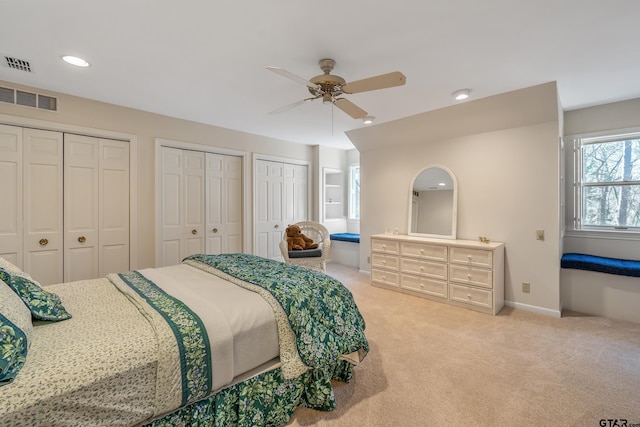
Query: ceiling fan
[329, 87]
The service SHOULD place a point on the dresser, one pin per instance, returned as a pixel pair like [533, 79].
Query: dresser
[465, 273]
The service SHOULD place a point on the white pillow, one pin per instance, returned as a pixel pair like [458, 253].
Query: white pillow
[12, 269]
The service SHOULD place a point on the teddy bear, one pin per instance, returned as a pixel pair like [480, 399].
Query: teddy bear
[296, 240]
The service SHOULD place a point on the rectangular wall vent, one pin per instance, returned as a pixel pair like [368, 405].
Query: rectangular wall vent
[28, 99]
[18, 64]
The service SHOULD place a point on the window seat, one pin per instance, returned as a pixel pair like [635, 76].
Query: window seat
[345, 237]
[621, 267]
[345, 249]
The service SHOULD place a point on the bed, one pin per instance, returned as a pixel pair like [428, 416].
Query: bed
[224, 340]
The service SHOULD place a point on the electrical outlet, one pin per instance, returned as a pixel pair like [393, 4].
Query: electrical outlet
[539, 234]
[368, 260]
[526, 287]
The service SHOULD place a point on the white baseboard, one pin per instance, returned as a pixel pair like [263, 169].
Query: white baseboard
[534, 309]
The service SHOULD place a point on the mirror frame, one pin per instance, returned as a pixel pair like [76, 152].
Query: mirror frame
[454, 212]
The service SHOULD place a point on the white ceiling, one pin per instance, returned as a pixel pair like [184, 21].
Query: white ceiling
[205, 60]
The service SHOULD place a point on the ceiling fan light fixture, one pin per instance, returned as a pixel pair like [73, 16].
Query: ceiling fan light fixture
[74, 60]
[368, 120]
[327, 98]
[461, 94]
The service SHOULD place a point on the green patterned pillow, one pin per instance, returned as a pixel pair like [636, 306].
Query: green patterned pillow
[15, 333]
[43, 305]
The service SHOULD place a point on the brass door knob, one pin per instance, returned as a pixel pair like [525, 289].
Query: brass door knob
[215, 230]
[82, 239]
[276, 226]
[43, 242]
[194, 231]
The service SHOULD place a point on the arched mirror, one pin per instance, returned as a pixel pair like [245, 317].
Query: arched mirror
[433, 203]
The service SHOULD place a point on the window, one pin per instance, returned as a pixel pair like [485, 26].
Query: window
[354, 192]
[608, 183]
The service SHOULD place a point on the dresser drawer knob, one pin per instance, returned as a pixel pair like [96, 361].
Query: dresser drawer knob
[421, 251]
[384, 261]
[421, 268]
[469, 276]
[469, 296]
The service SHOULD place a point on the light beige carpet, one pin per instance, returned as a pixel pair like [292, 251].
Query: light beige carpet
[432, 364]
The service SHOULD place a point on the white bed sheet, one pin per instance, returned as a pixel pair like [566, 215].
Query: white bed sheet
[240, 324]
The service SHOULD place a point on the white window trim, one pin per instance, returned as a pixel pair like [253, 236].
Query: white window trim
[349, 211]
[576, 141]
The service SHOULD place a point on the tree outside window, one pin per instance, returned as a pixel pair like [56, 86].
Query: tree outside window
[610, 183]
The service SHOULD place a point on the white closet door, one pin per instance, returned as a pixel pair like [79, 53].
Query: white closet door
[269, 215]
[297, 179]
[114, 207]
[223, 203]
[193, 230]
[11, 194]
[171, 211]
[182, 215]
[233, 205]
[43, 205]
[81, 203]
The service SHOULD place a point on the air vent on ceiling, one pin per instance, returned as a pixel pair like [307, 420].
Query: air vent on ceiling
[18, 64]
[28, 99]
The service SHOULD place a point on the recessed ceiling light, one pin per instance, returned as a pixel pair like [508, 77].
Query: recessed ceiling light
[461, 94]
[74, 60]
[368, 120]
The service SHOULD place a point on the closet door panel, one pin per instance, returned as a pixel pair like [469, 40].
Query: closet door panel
[214, 203]
[193, 230]
[114, 207]
[81, 207]
[233, 206]
[11, 194]
[171, 215]
[43, 205]
[224, 204]
[269, 208]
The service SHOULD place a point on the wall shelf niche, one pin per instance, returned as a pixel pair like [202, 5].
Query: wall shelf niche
[333, 194]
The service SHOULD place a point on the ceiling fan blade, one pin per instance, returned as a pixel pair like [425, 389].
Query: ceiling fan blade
[350, 108]
[291, 76]
[290, 106]
[382, 81]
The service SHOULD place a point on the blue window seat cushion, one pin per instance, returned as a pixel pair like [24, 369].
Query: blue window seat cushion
[306, 253]
[346, 237]
[621, 267]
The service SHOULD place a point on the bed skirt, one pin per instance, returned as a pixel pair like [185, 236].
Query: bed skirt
[267, 399]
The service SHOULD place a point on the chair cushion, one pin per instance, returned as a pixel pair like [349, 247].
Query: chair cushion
[306, 253]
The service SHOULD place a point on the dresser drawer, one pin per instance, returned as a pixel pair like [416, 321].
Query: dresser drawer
[386, 246]
[424, 285]
[472, 296]
[426, 268]
[471, 276]
[425, 251]
[384, 261]
[387, 277]
[476, 257]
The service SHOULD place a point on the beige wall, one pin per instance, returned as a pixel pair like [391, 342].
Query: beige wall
[93, 115]
[508, 181]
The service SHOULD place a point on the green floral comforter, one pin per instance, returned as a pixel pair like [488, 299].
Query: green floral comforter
[321, 334]
[320, 310]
